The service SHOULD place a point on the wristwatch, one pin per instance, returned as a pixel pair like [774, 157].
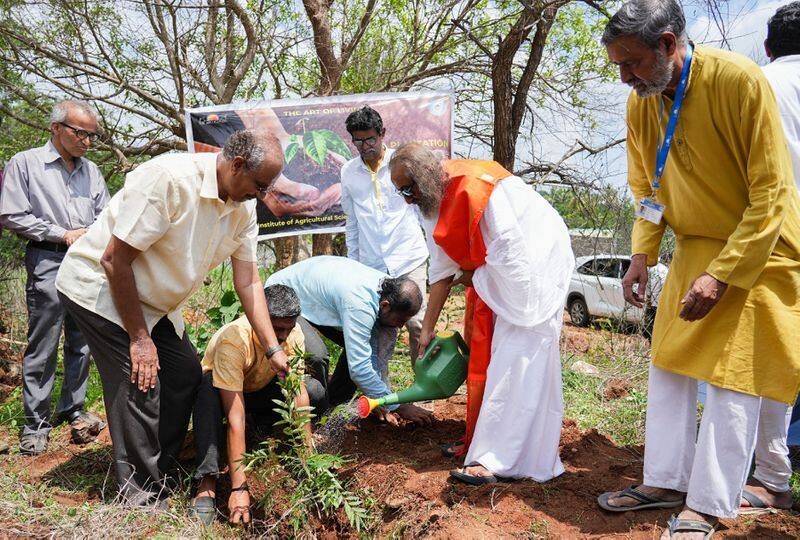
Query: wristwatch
[272, 350]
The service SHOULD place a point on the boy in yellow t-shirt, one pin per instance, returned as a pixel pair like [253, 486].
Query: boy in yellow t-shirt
[238, 380]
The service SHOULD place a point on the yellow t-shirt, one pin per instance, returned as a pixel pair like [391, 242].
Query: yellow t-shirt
[237, 359]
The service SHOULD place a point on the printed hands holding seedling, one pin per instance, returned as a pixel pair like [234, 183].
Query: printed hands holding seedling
[287, 197]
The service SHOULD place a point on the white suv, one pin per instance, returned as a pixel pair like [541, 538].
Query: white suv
[595, 290]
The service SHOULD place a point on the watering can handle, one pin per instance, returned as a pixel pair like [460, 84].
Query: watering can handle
[462, 345]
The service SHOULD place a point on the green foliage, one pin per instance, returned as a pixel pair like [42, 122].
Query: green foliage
[316, 143]
[228, 310]
[609, 208]
[311, 479]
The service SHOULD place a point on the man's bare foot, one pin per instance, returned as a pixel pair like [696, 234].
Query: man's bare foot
[687, 513]
[665, 495]
[773, 499]
[207, 487]
[478, 470]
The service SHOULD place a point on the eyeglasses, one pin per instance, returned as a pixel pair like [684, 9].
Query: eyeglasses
[406, 191]
[361, 142]
[81, 133]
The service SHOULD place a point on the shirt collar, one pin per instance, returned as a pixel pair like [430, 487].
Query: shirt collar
[387, 153]
[788, 59]
[208, 166]
[51, 155]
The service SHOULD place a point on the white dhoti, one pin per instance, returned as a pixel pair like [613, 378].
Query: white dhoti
[711, 465]
[524, 281]
[519, 425]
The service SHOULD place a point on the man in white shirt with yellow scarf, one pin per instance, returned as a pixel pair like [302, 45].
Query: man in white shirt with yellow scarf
[382, 231]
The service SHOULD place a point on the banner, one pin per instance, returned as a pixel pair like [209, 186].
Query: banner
[307, 196]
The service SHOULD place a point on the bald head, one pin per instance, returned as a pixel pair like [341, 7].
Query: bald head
[418, 171]
[400, 299]
[251, 160]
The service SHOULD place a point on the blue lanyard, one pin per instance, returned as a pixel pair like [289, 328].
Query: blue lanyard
[663, 150]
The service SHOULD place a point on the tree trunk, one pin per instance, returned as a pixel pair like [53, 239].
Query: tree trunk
[286, 251]
[322, 244]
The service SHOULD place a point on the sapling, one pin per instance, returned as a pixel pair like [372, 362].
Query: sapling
[312, 480]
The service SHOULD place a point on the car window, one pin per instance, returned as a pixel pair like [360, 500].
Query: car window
[586, 268]
[607, 268]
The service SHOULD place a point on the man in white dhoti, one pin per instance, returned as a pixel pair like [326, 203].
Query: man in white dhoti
[707, 157]
[511, 250]
[768, 487]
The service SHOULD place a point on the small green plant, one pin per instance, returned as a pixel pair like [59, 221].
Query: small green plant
[316, 144]
[228, 310]
[310, 477]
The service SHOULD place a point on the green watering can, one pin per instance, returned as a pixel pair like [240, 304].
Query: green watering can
[437, 375]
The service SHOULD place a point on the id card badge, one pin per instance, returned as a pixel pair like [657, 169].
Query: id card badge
[650, 210]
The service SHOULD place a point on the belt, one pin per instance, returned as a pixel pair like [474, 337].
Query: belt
[49, 246]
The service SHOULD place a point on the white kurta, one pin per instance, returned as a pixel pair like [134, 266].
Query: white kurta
[784, 78]
[529, 262]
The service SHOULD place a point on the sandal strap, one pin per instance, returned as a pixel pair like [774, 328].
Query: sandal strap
[634, 493]
[243, 487]
[754, 500]
[689, 525]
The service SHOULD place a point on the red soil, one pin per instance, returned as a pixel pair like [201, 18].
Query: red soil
[405, 470]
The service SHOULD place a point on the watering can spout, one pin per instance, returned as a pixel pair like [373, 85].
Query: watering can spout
[437, 375]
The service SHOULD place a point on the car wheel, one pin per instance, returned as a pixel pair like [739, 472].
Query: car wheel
[579, 312]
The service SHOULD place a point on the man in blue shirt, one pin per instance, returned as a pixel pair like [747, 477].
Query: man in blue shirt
[359, 309]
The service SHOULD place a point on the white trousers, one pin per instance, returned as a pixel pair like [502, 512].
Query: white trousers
[418, 275]
[773, 467]
[519, 425]
[710, 466]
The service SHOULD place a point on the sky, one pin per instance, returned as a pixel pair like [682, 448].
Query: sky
[745, 23]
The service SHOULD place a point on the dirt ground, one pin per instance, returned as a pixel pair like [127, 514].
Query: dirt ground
[405, 472]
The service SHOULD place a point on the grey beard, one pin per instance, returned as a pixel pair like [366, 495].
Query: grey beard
[429, 204]
[663, 74]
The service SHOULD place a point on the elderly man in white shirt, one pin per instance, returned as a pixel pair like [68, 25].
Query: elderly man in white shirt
[382, 231]
[768, 487]
[125, 282]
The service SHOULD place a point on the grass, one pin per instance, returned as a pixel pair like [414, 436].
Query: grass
[621, 419]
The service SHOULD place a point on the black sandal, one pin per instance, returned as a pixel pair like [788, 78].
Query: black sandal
[204, 509]
[646, 502]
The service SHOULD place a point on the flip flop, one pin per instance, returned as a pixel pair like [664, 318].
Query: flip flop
[449, 451]
[204, 509]
[675, 525]
[475, 480]
[645, 501]
[757, 505]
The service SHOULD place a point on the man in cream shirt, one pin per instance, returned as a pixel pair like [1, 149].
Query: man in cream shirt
[382, 231]
[125, 282]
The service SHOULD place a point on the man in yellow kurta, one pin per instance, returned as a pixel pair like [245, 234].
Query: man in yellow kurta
[729, 312]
